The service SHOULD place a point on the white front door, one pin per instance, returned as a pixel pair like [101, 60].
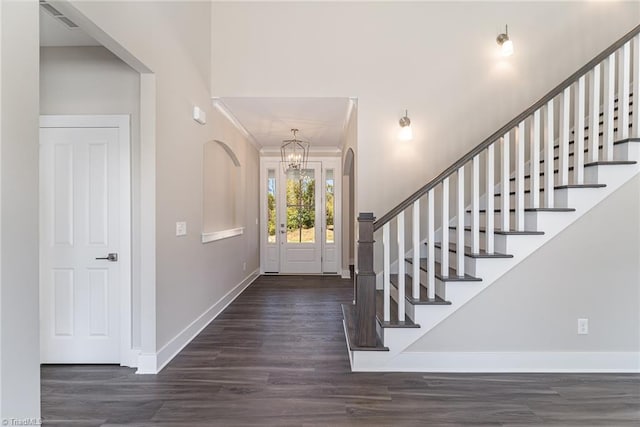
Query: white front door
[300, 220]
[80, 305]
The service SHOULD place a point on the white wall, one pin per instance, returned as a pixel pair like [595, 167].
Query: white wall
[172, 39]
[68, 77]
[19, 315]
[437, 59]
[591, 270]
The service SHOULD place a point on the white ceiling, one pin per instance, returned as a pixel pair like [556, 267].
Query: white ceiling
[55, 33]
[270, 120]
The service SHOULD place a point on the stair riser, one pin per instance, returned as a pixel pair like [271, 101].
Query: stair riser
[410, 309]
[626, 151]
[380, 332]
[527, 201]
[469, 263]
[573, 179]
[441, 287]
[618, 154]
[529, 219]
[500, 241]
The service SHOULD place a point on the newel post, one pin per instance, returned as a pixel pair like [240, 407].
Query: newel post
[365, 284]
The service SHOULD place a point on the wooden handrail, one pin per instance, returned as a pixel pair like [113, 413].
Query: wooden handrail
[506, 128]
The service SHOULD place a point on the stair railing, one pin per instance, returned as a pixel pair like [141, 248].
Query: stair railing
[592, 87]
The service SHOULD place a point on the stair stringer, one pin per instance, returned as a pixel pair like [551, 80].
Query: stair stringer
[490, 270]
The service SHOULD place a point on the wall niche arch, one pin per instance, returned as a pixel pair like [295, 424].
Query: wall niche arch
[223, 192]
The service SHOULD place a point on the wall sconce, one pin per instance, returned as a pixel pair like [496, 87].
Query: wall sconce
[406, 134]
[504, 42]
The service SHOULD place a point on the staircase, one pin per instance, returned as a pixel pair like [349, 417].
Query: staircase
[493, 208]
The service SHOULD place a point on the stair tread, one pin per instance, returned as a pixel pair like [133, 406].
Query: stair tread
[562, 187]
[558, 187]
[348, 312]
[453, 247]
[587, 165]
[453, 275]
[586, 150]
[531, 210]
[408, 292]
[499, 231]
[393, 310]
[610, 163]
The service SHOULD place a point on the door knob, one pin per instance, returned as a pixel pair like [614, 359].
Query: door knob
[113, 257]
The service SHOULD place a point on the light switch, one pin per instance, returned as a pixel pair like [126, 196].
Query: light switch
[199, 115]
[583, 326]
[181, 228]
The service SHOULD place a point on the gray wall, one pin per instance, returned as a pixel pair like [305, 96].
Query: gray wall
[19, 315]
[92, 80]
[173, 40]
[591, 270]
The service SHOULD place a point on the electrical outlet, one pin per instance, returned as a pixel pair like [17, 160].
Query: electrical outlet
[583, 326]
[181, 228]
[244, 266]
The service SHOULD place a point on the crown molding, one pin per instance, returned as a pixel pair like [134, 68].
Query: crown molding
[224, 110]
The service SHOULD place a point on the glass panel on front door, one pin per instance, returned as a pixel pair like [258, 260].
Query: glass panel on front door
[271, 206]
[329, 206]
[301, 209]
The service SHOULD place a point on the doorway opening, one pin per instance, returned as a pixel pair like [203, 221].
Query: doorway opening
[300, 233]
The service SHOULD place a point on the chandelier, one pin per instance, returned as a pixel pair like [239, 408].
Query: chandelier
[294, 153]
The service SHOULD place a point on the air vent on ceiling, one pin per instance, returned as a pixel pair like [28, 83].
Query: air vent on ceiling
[58, 15]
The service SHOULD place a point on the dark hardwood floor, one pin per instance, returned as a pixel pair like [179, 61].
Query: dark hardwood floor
[277, 356]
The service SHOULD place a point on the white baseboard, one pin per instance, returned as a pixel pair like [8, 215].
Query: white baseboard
[130, 358]
[153, 363]
[585, 362]
[147, 363]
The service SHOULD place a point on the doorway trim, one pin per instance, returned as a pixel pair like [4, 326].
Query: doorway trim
[327, 161]
[128, 356]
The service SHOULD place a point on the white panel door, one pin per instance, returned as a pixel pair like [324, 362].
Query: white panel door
[79, 225]
[300, 221]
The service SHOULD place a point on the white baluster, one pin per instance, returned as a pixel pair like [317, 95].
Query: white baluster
[401, 266]
[475, 206]
[520, 148]
[431, 249]
[578, 127]
[563, 151]
[504, 187]
[636, 86]
[386, 277]
[416, 250]
[444, 262]
[459, 225]
[548, 157]
[623, 100]
[609, 95]
[489, 211]
[594, 114]
[534, 170]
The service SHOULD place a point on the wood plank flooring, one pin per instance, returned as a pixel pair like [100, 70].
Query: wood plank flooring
[277, 357]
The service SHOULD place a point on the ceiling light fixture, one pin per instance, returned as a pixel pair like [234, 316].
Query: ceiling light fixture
[294, 152]
[406, 134]
[505, 43]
